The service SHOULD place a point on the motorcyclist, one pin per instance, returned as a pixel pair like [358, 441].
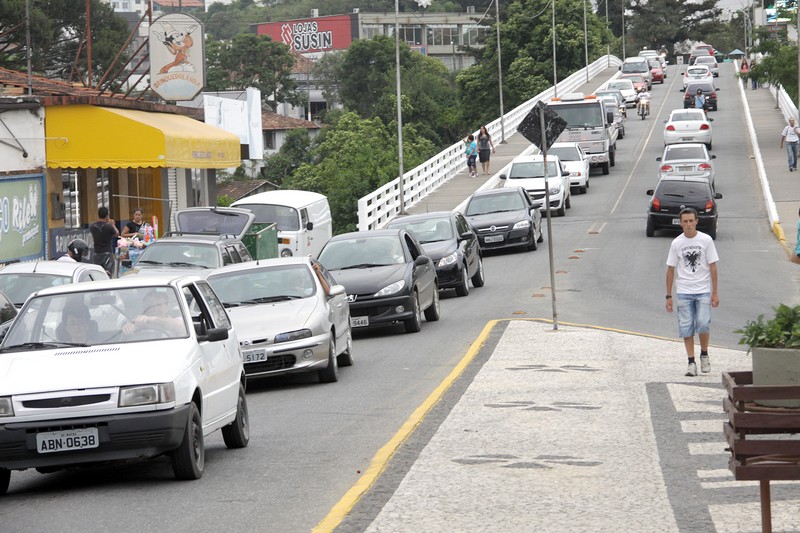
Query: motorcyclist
[644, 101]
[700, 100]
[77, 250]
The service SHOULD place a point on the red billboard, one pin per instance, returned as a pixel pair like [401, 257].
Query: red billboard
[311, 35]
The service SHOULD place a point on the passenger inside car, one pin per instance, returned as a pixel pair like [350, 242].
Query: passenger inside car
[76, 326]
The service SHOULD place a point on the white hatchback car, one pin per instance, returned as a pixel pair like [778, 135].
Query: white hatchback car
[118, 370]
[527, 171]
[575, 161]
[626, 88]
[687, 126]
[710, 62]
[697, 73]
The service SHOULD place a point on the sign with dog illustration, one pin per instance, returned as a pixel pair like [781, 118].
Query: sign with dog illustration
[177, 57]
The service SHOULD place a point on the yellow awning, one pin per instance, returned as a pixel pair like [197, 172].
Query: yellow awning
[85, 136]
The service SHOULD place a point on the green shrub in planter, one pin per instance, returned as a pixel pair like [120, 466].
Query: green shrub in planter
[780, 331]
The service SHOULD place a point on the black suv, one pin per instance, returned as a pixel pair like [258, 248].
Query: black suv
[709, 91]
[208, 238]
[674, 193]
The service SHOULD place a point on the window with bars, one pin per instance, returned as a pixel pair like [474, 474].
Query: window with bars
[70, 198]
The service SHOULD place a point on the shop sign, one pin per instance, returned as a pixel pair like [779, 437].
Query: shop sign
[313, 35]
[177, 57]
[22, 211]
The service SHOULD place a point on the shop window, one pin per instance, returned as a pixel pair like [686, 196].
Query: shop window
[442, 34]
[70, 196]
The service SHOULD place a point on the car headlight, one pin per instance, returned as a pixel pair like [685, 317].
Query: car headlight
[286, 252]
[522, 224]
[555, 189]
[292, 335]
[146, 394]
[397, 286]
[6, 407]
[448, 260]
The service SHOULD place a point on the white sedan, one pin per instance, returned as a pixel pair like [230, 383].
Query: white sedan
[626, 88]
[687, 160]
[697, 73]
[687, 126]
[574, 159]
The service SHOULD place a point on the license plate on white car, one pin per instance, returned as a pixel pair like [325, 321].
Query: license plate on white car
[253, 356]
[359, 321]
[687, 139]
[493, 238]
[68, 439]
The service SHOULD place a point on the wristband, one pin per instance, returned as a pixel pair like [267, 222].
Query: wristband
[669, 297]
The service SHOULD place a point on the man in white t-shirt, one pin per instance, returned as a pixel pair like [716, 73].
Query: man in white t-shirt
[790, 136]
[692, 265]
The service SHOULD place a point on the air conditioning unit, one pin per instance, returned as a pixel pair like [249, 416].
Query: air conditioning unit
[470, 9]
[314, 13]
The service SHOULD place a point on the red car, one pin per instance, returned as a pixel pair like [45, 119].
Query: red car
[656, 71]
[639, 83]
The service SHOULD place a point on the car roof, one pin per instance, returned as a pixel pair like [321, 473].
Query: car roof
[195, 238]
[58, 268]
[290, 198]
[700, 84]
[687, 179]
[700, 67]
[260, 263]
[565, 145]
[618, 80]
[707, 59]
[386, 232]
[533, 158]
[690, 110]
[422, 216]
[127, 282]
[497, 192]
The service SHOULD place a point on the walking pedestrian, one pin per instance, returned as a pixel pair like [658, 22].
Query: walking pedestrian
[753, 79]
[103, 232]
[796, 255]
[485, 149]
[471, 151]
[692, 266]
[744, 71]
[791, 137]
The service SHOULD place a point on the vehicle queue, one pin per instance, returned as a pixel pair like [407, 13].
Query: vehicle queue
[197, 319]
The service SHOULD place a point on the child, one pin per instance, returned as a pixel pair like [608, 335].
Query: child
[471, 152]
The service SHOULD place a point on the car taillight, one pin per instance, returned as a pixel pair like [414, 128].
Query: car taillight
[705, 127]
[656, 204]
[666, 168]
[709, 206]
[670, 128]
[704, 166]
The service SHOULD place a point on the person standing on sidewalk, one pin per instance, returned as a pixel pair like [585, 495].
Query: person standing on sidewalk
[790, 136]
[471, 151]
[103, 232]
[692, 266]
[744, 71]
[485, 149]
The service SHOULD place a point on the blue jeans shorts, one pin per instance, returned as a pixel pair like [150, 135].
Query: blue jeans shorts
[694, 314]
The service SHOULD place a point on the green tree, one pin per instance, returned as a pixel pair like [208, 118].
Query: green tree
[353, 157]
[252, 61]
[58, 27]
[655, 23]
[295, 151]
[779, 64]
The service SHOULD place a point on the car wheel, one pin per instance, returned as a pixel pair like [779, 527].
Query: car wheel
[568, 201]
[606, 169]
[414, 324]
[189, 459]
[478, 280]
[622, 133]
[561, 211]
[330, 374]
[708, 146]
[432, 313]
[237, 433]
[582, 190]
[612, 158]
[346, 357]
[462, 289]
[532, 246]
[651, 227]
[541, 234]
[713, 233]
[5, 479]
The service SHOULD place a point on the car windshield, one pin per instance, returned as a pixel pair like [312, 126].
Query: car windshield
[697, 71]
[621, 85]
[286, 218]
[495, 203]
[654, 63]
[706, 60]
[688, 191]
[264, 285]
[685, 152]
[565, 153]
[638, 66]
[363, 252]
[165, 253]
[18, 286]
[686, 115]
[427, 230]
[533, 169]
[96, 317]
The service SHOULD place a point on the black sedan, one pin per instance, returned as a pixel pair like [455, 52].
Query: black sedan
[504, 218]
[709, 91]
[386, 275]
[672, 194]
[447, 239]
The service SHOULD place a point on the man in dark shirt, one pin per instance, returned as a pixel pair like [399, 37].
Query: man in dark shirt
[103, 233]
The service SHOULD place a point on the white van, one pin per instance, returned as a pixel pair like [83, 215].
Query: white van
[303, 218]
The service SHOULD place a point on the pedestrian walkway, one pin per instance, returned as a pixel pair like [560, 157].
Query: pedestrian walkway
[457, 189]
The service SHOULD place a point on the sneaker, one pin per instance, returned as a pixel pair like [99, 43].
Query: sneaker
[692, 370]
[705, 364]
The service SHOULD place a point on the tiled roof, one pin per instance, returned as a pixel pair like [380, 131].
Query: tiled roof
[240, 189]
[302, 64]
[274, 121]
[180, 3]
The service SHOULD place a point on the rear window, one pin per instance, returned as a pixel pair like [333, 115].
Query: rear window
[634, 67]
[706, 60]
[685, 152]
[286, 218]
[686, 115]
[692, 88]
[687, 190]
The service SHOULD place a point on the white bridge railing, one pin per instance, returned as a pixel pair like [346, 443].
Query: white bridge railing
[378, 207]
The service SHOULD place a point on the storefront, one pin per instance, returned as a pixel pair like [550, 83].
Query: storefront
[128, 158]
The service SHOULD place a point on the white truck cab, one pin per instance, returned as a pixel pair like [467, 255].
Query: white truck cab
[589, 123]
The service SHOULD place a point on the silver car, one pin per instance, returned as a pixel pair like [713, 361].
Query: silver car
[290, 316]
[687, 160]
[20, 280]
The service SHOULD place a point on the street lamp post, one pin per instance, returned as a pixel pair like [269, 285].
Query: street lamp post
[500, 72]
[623, 31]
[585, 41]
[555, 73]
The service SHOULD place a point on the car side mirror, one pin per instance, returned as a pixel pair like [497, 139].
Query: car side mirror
[214, 335]
[309, 226]
[711, 120]
[336, 290]
[503, 176]
[713, 157]
[683, 90]
[649, 192]
[467, 235]
[421, 260]
[717, 196]
[658, 158]
[610, 117]
[716, 88]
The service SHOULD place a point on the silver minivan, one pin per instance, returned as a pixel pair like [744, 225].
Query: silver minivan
[638, 65]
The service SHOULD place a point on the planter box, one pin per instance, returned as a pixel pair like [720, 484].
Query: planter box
[776, 367]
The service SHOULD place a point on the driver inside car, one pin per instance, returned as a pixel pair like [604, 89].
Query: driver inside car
[160, 314]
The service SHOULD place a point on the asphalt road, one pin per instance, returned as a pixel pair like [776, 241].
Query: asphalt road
[311, 441]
